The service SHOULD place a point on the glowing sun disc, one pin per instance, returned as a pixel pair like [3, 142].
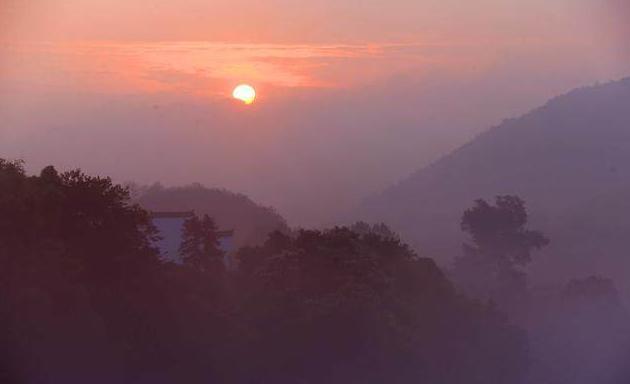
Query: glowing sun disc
[245, 93]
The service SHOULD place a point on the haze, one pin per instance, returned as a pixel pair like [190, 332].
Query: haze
[315, 192]
[352, 95]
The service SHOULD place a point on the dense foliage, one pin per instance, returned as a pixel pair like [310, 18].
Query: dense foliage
[337, 306]
[501, 244]
[578, 333]
[85, 298]
[77, 275]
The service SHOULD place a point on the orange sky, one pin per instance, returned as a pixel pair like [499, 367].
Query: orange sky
[113, 85]
[291, 21]
[200, 46]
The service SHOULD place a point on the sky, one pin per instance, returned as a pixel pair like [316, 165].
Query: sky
[351, 95]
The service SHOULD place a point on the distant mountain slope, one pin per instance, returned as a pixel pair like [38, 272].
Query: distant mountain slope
[251, 222]
[570, 161]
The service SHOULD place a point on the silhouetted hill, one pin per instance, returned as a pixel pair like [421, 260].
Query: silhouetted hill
[231, 211]
[569, 160]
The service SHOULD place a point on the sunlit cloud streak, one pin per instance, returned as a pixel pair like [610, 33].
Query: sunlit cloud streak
[210, 69]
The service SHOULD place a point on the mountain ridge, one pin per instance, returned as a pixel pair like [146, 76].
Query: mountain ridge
[557, 157]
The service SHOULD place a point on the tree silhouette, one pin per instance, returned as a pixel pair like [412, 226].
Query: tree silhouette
[381, 229]
[491, 267]
[84, 297]
[77, 268]
[200, 245]
[337, 306]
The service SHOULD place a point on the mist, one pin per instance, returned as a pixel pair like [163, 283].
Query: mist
[309, 152]
[421, 191]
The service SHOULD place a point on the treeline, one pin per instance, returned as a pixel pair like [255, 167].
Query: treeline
[578, 332]
[85, 298]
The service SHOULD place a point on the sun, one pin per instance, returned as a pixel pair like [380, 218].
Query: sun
[245, 93]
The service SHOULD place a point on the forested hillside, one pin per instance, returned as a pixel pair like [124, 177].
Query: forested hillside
[569, 159]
